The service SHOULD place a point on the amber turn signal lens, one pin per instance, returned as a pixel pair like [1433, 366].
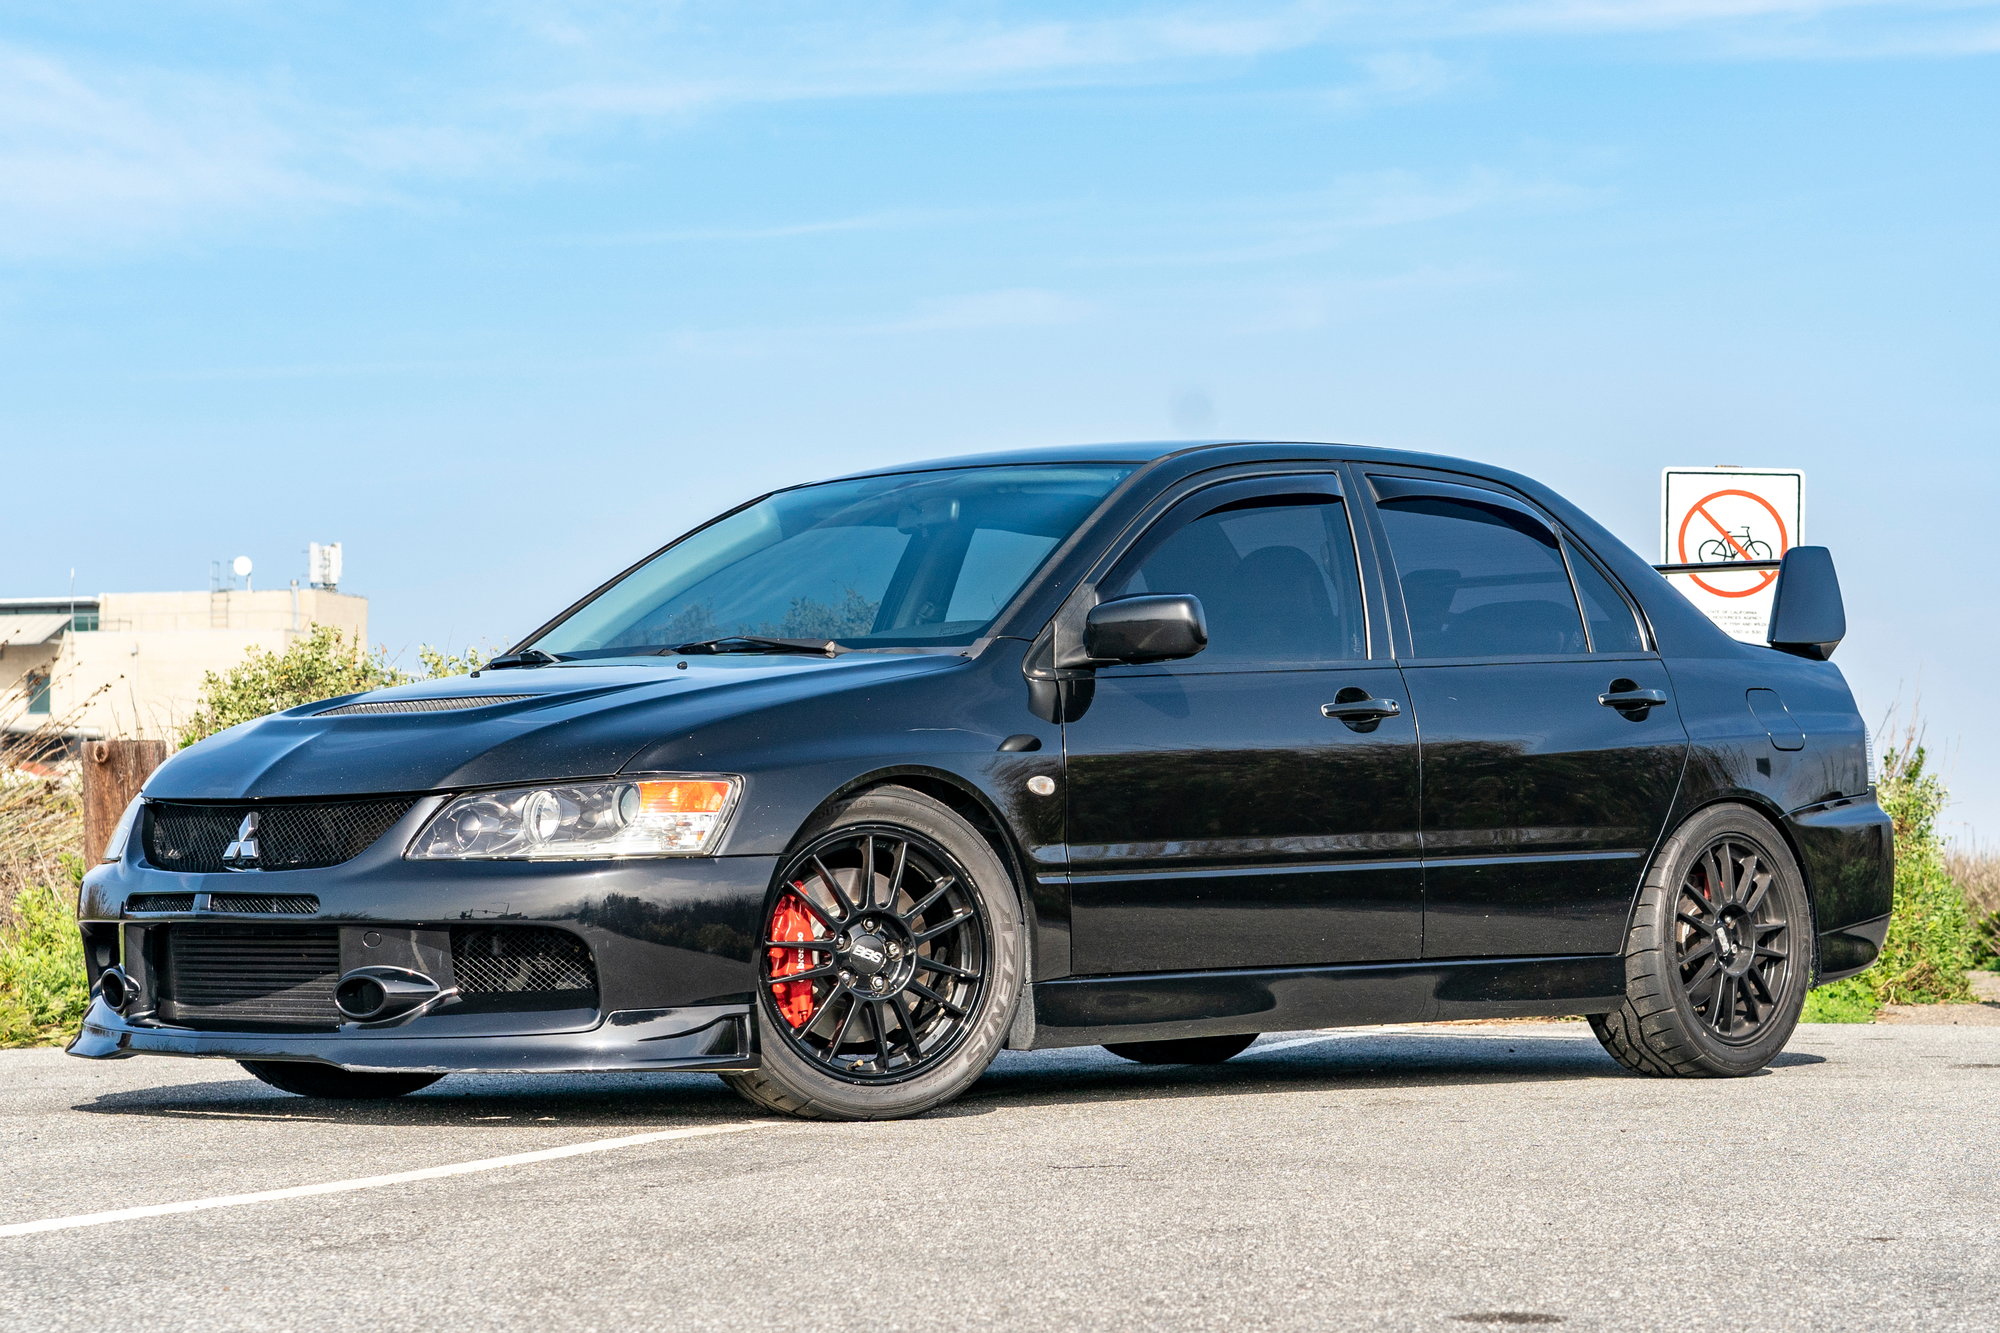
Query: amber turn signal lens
[683, 797]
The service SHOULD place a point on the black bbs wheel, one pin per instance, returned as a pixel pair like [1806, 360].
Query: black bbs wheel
[889, 966]
[1182, 1050]
[1719, 955]
[307, 1079]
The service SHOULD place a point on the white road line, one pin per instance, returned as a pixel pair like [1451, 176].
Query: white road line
[376, 1182]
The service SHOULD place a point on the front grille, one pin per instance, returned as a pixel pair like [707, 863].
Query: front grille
[160, 902]
[193, 837]
[225, 976]
[266, 904]
[517, 960]
[423, 705]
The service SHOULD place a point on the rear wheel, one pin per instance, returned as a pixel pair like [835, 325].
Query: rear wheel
[1719, 955]
[890, 965]
[316, 1080]
[1183, 1050]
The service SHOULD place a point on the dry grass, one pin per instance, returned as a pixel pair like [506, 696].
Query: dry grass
[1976, 870]
[41, 815]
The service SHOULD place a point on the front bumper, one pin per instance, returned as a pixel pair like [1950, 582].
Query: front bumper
[671, 940]
[711, 1037]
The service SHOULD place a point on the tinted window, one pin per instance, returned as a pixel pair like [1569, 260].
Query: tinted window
[1613, 629]
[1479, 581]
[1276, 579]
[912, 558]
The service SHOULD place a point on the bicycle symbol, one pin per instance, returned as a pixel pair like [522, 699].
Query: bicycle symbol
[1735, 546]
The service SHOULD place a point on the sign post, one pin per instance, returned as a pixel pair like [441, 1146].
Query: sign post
[1729, 515]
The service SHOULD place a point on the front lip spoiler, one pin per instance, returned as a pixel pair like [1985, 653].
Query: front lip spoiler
[706, 1038]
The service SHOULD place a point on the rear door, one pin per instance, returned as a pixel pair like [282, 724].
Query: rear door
[1552, 744]
[1218, 816]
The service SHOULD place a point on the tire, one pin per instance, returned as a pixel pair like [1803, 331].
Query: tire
[316, 1080]
[1183, 1051]
[1704, 998]
[832, 1048]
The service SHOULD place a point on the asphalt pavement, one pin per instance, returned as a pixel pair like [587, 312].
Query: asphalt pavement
[1436, 1177]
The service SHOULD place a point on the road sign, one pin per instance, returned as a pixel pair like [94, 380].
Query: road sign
[1728, 515]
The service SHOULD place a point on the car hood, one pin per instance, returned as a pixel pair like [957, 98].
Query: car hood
[568, 721]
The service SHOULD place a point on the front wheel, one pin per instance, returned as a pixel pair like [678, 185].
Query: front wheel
[1719, 954]
[890, 964]
[315, 1080]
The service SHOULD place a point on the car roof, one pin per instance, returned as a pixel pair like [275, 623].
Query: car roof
[1152, 451]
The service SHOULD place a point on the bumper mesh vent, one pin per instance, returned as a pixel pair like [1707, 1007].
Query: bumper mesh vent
[226, 976]
[423, 705]
[521, 960]
[264, 904]
[160, 902]
[190, 837]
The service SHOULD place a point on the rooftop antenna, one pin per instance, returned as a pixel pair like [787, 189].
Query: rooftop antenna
[240, 567]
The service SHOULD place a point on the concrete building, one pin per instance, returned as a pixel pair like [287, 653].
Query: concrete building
[131, 663]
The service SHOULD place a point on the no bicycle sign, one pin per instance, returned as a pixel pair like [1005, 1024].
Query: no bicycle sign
[1724, 516]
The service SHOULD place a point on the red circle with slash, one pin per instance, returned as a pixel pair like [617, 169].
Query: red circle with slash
[1701, 507]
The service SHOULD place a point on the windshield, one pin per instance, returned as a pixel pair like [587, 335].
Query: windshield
[917, 558]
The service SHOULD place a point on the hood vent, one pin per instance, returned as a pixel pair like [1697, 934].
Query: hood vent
[424, 705]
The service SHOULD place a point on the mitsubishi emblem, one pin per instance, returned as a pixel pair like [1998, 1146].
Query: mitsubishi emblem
[241, 854]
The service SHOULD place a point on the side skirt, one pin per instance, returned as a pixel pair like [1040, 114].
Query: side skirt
[1153, 1006]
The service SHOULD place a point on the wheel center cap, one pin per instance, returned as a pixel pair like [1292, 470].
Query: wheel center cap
[867, 954]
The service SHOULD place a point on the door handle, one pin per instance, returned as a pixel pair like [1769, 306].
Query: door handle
[1634, 700]
[1362, 710]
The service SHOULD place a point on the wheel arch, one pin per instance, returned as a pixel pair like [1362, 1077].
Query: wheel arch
[954, 792]
[1758, 804]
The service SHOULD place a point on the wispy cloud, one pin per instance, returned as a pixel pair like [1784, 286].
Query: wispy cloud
[88, 159]
[94, 152]
[1395, 78]
[903, 219]
[1013, 308]
[967, 312]
[1294, 226]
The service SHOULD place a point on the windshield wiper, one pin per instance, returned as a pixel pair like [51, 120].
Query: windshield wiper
[527, 657]
[757, 643]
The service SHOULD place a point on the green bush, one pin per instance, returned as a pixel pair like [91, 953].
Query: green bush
[1931, 941]
[42, 990]
[1849, 1001]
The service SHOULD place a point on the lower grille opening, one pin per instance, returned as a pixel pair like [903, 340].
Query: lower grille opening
[160, 902]
[236, 976]
[270, 904]
[523, 967]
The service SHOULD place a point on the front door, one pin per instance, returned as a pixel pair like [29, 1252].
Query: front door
[1552, 744]
[1218, 815]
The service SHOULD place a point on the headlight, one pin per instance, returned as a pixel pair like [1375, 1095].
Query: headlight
[666, 817]
[114, 846]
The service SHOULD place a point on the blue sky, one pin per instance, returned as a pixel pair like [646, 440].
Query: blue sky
[502, 295]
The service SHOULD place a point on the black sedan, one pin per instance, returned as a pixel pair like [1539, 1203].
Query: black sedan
[1153, 746]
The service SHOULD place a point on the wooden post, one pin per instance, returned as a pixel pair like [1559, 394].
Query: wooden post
[113, 772]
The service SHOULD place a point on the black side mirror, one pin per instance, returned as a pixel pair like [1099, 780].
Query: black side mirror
[1808, 617]
[1145, 629]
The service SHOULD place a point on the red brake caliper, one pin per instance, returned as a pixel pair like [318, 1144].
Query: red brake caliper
[791, 921]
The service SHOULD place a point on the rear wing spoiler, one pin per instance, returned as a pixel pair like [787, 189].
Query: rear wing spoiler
[1808, 615]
